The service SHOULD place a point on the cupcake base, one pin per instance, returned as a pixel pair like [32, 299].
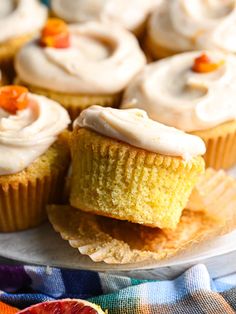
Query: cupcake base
[220, 145]
[75, 103]
[154, 50]
[24, 196]
[114, 179]
[8, 50]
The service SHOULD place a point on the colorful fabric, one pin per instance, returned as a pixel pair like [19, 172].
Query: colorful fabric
[193, 292]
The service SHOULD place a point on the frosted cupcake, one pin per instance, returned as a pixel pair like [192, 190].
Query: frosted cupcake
[128, 167]
[130, 14]
[194, 92]
[33, 157]
[182, 25]
[80, 65]
[19, 22]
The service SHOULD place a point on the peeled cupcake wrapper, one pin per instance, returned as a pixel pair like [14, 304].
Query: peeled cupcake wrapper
[211, 213]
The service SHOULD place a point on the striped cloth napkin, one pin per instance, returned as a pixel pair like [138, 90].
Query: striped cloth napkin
[194, 292]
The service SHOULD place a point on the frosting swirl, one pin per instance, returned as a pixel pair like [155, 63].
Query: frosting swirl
[135, 128]
[26, 135]
[20, 17]
[173, 94]
[102, 58]
[183, 25]
[130, 14]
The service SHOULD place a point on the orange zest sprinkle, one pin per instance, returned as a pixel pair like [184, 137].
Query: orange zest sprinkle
[203, 64]
[55, 34]
[13, 98]
[6, 309]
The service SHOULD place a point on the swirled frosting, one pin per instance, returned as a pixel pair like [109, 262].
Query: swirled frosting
[130, 14]
[134, 127]
[20, 17]
[173, 94]
[183, 25]
[29, 133]
[102, 58]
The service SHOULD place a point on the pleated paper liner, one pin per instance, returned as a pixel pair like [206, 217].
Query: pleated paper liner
[212, 212]
[24, 196]
[74, 103]
[8, 50]
[220, 145]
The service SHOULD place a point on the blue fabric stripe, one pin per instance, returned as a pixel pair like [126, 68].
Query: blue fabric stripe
[81, 283]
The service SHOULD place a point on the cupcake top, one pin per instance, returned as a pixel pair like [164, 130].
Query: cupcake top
[133, 126]
[190, 91]
[130, 14]
[29, 124]
[20, 17]
[92, 58]
[183, 25]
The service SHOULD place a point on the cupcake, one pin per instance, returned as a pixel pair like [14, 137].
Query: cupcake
[34, 156]
[181, 25]
[19, 22]
[80, 65]
[128, 167]
[130, 14]
[194, 92]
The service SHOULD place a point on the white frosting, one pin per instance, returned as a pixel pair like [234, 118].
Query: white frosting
[183, 25]
[135, 128]
[173, 94]
[129, 13]
[29, 133]
[20, 17]
[102, 58]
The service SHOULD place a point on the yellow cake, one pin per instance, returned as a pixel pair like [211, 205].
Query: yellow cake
[201, 103]
[34, 157]
[92, 73]
[113, 178]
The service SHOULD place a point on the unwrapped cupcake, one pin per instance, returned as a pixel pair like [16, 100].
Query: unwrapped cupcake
[80, 65]
[182, 25]
[19, 22]
[194, 92]
[34, 156]
[129, 167]
[130, 14]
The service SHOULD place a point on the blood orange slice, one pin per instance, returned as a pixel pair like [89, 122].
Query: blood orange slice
[66, 306]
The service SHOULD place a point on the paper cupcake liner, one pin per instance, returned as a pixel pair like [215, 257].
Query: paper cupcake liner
[117, 180]
[215, 194]
[8, 50]
[220, 145]
[24, 195]
[74, 104]
[112, 241]
[154, 50]
[23, 206]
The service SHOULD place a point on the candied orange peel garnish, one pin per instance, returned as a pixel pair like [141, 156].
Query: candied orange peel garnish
[55, 34]
[13, 98]
[203, 64]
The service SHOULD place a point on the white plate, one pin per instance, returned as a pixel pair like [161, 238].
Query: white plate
[43, 246]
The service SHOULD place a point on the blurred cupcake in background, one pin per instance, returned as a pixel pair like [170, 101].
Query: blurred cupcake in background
[130, 14]
[181, 25]
[80, 65]
[19, 22]
[194, 92]
[34, 156]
